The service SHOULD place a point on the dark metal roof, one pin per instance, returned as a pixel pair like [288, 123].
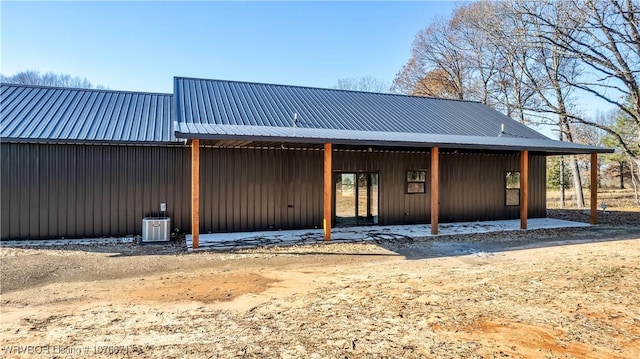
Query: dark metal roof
[38, 113]
[242, 111]
[250, 134]
[254, 104]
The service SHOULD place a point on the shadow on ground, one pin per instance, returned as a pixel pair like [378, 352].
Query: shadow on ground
[511, 241]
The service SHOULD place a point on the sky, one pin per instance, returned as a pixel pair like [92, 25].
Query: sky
[140, 46]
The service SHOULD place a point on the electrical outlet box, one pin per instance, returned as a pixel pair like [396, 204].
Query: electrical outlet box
[163, 207]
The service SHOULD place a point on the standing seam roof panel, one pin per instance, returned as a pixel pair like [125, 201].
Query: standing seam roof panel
[279, 111]
[106, 118]
[208, 99]
[274, 105]
[274, 116]
[94, 111]
[42, 113]
[50, 106]
[242, 105]
[255, 105]
[29, 114]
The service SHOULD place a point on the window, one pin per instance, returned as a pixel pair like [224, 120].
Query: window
[416, 181]
[512, 185]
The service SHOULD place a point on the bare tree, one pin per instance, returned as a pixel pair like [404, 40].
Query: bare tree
[365, 83]
[547, 69]
[600, 40]
[434, 51]
[471, 56]
[31, 77]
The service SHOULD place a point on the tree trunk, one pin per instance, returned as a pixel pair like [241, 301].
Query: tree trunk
[621, 174]
[577, 182]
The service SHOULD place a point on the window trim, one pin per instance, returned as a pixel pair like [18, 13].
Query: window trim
[408, 182]
[507, 189]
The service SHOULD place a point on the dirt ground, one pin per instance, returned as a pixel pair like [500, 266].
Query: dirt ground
[547, 294]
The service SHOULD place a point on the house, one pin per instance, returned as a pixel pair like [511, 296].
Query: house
[230, 156]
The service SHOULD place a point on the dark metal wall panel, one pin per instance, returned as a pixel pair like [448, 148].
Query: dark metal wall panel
[537, 186]
[245, 189]
[472, 187]
[395, 205]
[74, 191]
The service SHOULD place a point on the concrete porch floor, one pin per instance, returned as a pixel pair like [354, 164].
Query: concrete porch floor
[238, 240]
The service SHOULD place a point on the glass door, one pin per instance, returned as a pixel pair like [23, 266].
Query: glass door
[356, 199]
[345, 195]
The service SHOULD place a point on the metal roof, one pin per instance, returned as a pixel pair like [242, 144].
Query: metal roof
[243, 111]
[38, 113]
[254, 104]
[250, 134]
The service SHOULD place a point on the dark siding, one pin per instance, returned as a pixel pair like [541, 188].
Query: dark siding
[72, 191]
[257, 189]
[537, 186]
[395, 205]
[78, 191]
[472, 187]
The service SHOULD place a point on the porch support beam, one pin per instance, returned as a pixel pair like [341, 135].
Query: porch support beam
[524, 188]
[435, 189]
[594, 188]
[328, 191]
[195, 193]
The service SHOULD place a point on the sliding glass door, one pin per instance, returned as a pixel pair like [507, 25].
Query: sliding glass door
[356, 199]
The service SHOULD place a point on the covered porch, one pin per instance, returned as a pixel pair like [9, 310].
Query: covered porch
[326, 145]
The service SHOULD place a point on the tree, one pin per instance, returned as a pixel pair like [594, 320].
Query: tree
[32, 77]
[434, 51]
[624, 127]
[365, 83]
[554, 178]
[603, 37]
[550, 68]
[471, 56]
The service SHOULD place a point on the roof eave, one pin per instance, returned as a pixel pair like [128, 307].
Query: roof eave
[582, 149]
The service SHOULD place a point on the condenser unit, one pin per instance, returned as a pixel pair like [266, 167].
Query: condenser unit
[156, 229]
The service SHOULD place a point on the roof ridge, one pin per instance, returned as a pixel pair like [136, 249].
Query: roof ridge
[325, 89]
[45, 87]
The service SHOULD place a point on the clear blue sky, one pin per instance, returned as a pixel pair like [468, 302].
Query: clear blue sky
[140, 46]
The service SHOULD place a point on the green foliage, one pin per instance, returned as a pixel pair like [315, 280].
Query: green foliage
[629, 130]
[553, 173]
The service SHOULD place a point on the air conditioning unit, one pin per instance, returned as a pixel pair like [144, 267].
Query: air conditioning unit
[156, 229]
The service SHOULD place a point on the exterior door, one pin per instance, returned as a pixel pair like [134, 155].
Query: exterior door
[356, 199]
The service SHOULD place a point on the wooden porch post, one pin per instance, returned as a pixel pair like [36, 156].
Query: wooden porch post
[435, 189]
[594, 188]
[328, 191]
[195, 193]
[524, 188]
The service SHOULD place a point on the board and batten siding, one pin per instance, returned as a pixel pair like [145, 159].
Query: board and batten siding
[84, 191]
